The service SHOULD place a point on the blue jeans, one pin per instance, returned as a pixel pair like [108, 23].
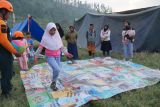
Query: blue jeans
[54, 63]
[128, 50]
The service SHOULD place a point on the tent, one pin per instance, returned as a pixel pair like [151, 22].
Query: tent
[146, 22]
[32, 26]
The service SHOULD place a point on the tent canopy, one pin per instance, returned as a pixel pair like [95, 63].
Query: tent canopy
[35, 30]
[145, 22]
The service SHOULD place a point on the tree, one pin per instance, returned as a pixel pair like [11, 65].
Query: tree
[102, 8]
[105, 9]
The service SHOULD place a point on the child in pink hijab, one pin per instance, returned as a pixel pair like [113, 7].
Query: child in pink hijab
[53, 45]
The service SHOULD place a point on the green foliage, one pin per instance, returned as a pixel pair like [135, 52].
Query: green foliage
[50, 10]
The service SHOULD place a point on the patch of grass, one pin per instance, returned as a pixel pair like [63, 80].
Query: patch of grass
[145, 97]
[18, 97]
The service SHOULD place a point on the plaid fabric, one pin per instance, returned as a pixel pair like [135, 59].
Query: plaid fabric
[91, 47]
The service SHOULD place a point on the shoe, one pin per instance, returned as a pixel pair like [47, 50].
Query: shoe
[53, 86]
[5, 95]
[69, 62]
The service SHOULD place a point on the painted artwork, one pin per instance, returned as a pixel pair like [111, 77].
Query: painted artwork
[85, 80]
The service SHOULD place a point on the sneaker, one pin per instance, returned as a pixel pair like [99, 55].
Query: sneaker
[69, 62]
[53, 86]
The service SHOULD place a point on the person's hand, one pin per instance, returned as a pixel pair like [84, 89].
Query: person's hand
[68, 55]
[35, 59]
[18, 54]
[124, 41]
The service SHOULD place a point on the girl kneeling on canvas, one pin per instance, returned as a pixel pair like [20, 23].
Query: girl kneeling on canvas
[53, 45]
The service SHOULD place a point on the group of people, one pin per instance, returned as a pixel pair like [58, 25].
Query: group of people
[53, 45]
[105, 40]
[128, 37]
[52, 42]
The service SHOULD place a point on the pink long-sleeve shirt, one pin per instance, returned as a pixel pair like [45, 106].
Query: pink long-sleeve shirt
[53, 53]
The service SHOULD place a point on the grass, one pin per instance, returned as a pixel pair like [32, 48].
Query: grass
[146, 97]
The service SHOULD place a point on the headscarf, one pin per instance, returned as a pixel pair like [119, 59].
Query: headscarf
[51, 42]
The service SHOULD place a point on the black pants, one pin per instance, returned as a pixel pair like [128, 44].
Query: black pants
[108, 53]
[6, 63]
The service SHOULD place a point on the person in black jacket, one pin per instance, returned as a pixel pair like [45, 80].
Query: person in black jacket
[60, 30]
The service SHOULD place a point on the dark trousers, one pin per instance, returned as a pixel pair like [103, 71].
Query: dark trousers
[72, 49]
[108, 53]
[6, 63]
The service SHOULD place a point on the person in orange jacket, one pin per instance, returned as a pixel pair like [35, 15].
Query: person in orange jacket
[6, 49]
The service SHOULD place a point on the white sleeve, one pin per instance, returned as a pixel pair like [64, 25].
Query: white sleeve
[26, 44]
[39, 50]
[109, 33]
[64, 50]
[131, 32]
[102, 36]
[123, 33]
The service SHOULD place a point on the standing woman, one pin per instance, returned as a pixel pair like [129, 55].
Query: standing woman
[60, 30]
[105, 40]
[128, 36]
[71, 38]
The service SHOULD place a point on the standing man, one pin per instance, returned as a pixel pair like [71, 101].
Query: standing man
[71, 39]
[6, 49]
[91, 40]
[128, 36]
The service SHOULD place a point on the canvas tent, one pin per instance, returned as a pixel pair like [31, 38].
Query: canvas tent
[32, 26]
[146, 22]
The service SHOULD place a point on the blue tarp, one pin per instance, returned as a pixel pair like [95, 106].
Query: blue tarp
[35, 29]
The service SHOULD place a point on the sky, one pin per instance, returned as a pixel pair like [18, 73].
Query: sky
[122, 5]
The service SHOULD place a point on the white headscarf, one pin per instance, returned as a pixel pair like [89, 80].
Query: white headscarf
[51, 42]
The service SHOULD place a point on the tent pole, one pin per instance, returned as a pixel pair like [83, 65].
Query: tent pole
[29, 22]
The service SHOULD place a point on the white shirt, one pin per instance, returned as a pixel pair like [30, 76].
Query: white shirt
[105, 35]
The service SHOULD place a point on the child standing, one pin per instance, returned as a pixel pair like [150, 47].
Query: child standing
[53, 45]
[91, 39]
[18, 37]
[31, 47]
[105, 40]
